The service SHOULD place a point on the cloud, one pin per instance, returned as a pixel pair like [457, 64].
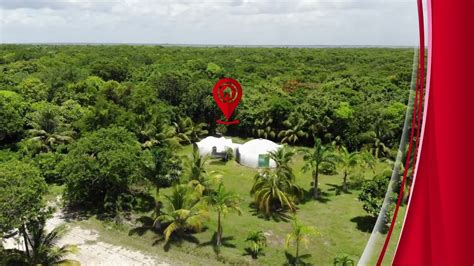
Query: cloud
[376, 22]
[57, 4]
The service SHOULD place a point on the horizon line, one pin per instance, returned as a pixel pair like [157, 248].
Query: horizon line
[217, 45]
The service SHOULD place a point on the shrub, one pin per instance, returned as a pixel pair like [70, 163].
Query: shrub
[229, 155]
[256, 241]
[372, 196]
[343, 260]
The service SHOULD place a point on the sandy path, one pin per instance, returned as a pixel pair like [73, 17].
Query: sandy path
[91, 251]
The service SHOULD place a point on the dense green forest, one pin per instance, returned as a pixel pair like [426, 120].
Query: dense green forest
[108, 125]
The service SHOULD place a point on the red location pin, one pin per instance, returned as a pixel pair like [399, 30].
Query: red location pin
[227, 94]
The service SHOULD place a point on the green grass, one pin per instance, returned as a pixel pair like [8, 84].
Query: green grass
[53, 192]
[344, 226]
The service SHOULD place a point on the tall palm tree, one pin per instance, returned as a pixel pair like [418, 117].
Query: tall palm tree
[184, 210]
[282, 158]
[294, 132]
[313, 160]
[257, 241]
[300, 234]
[347, 161]
[222, 201]
[189, 132]
[273, 192]
[43, 247]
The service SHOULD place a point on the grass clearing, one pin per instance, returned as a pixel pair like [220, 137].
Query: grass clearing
[344, 226]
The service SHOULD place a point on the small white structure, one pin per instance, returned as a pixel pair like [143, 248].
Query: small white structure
[256, 153]
[215, 147]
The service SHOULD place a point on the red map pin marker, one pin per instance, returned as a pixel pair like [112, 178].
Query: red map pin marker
[227, 94]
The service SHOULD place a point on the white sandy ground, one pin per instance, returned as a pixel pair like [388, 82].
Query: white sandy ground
[91, 251]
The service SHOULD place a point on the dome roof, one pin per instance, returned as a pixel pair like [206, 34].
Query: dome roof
[255, 153]
[259, 146]
[213, 141]
[211, 145]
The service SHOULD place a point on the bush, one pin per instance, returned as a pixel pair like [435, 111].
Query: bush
[327, 168]
[343, 260]
[256, 242]
[356, 181]
[229, 155]
[373, 194]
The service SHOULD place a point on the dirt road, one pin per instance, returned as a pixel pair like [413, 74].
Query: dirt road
[91, 251]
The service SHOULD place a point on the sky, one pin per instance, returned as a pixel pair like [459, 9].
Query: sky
[227, 22]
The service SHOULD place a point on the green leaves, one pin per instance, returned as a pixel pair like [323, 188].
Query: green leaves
[33, 89]
[274, 192]
[314, 160]
[21, 191]
[12, 110]
[344, 111]
[187, 131]
[300, 234]
[214, 71]
[347, 161]
[44, 249]
[184, 210]
[223, 201]
[100, 167]
[373, 194]
[256, 242]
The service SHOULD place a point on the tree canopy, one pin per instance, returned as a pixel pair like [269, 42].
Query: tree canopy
[21, 188]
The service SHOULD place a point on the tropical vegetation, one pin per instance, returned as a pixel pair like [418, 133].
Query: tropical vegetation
[113, 127]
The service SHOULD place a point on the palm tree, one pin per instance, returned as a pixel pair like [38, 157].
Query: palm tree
[294, 131]
[343, 260]
[48, 129]
[257, 241]
[161, 136]
[273, 192]
[187, 131]
[300, 234]
[183, 211]
[198, 176]
[43, 247]
[347, 161]
[369, 159]
[222, 201]
[380, 132]
[380, 148]
[282, 158]
[263, 128]
[196, 166]
[314, 158]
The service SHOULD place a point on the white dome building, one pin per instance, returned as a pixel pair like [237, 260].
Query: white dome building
[215, 147]
[255, 153]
